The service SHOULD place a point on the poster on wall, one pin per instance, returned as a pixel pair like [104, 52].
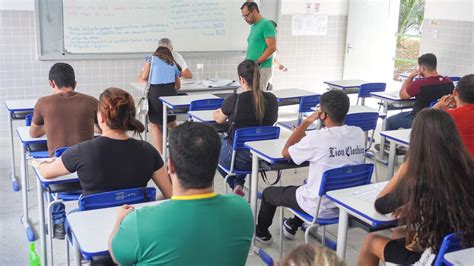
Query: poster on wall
[309, 25]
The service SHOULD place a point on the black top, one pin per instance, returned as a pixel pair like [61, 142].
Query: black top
[388, 203]
[246, 116]
[105, 164]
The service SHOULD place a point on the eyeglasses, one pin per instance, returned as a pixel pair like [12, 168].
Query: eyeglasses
[246, 15]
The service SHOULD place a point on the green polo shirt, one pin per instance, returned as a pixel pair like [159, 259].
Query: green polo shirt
[256, 45]
[206, 229]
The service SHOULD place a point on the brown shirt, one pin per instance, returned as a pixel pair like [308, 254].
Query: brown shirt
[68, 117]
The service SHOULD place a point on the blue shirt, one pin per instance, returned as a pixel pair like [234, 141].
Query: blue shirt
[162, 73]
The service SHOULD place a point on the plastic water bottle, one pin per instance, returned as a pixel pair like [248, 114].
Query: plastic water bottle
[34, 258]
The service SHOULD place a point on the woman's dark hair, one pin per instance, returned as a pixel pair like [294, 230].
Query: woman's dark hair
[437, 186]
[119, 109]
[164, 53]
[250, 72]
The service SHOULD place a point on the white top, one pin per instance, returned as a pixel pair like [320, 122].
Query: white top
[205, 116]
[400, 136]
[393, 96]
[268, 150]
[20, 105]
[359, 202]
[325, 149]
[180, 60]
[460, 257]
[184, 101]
[345, 84]
[91, 229]
[292, 93]
[25, 138]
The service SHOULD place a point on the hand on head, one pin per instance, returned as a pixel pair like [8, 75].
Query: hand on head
[447, 101]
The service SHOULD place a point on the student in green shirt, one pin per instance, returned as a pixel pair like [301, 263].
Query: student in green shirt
[195, 227]
[261, 42]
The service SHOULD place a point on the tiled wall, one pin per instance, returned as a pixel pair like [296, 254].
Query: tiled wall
[310, 61]
[453, 45]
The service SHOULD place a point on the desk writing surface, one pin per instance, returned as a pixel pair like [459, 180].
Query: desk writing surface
[202, 116]
[401, 136]
[91, 229]
[389, 95]
[183, 101]
[25, 138]
[354, 109]
[461, 257]
[269, 150]
[344, 84]
[292, 93]
[359, 203]
[62, 179]
[20, 105]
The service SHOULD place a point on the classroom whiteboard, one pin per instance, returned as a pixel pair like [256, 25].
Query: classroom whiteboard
[135, 26]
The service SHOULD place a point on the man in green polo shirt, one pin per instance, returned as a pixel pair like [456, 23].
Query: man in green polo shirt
[261, 42]
[195, 227]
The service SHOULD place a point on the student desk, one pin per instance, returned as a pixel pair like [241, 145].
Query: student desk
[17, 110]
[390, 99]
[178, 104]
[192, 86]
[357, 202]
[354, 109]
[203, 116]
[26, 139]
[91, 230]
[43, 186]
[460, 257]
[348, 85]
[402, 137]
[291, 96]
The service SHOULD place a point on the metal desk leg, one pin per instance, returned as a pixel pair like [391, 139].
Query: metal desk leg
[391, 160]
[15, 186]
[342, 233]
[254, 186]
[42, 231]
[77, 252]
[165, 131]
[24, 192]
[384, 125]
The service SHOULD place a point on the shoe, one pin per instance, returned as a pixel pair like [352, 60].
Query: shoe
[239, 190]
[289, 231]
[264, 238]
[58, 231]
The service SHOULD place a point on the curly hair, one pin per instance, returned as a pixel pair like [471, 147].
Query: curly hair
[437, 186]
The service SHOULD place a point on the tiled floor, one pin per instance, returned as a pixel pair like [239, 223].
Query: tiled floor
[14, 245]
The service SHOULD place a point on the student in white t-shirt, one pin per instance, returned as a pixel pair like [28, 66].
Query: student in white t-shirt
[185, 71]
[333, 146]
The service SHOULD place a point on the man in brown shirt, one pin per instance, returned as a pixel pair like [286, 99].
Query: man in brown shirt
[66, 117]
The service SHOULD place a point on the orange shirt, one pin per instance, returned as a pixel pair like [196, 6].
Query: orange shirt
[464, 119]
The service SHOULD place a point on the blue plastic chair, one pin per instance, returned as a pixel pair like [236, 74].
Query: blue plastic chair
[306, 105]
[110, 199]
[206, 104]
[332, 179]
[450, 243]
[366, 88]
[241, 136]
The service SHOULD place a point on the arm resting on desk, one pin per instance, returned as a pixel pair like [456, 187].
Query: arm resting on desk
[219, 116]
[36, 131]
[162, 180]
[387, 200]
[53, 169]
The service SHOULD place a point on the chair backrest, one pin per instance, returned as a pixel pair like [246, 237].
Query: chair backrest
[366, 121]
[450, 243]
[308, 102]
[366, 88]
[345, 177]
[247, 134]
[454, 79]
[206, 104]
[117, 198]
[59, 151]
[431, 93]
[28, 119]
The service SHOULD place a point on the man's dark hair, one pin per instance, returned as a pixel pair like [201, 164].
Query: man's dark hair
[63, 75]
[251, 6]
[336, 104]
[429, 61]
[194, 152]
[465, 88]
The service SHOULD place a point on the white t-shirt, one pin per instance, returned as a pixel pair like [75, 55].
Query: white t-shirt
[325, 149]
[180, 60]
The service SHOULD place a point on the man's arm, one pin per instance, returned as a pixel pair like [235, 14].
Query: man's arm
[37, 131]
[123, 211]
[298, 134]
[186, 74]
[407, 83]
[271, 48]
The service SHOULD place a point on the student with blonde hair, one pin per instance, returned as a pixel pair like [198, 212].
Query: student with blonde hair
[311, 255]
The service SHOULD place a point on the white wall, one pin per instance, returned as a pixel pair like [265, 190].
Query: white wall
[17, 4]
[330, 7]
[460, 10]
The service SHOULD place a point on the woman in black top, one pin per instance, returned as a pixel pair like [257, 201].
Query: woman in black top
[114, 160]
[248, 109]
[432, 194]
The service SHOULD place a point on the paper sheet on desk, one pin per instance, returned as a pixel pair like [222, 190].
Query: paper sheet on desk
[212, 83]
[369, 194]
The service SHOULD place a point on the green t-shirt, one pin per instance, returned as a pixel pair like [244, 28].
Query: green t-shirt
[256, 45]
[214, 230]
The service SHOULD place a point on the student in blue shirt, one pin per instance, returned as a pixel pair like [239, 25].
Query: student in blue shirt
[164, 81]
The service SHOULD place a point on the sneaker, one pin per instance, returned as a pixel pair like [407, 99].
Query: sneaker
[239, 190]
[289, 231]
[264, 238]
[58, 231]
